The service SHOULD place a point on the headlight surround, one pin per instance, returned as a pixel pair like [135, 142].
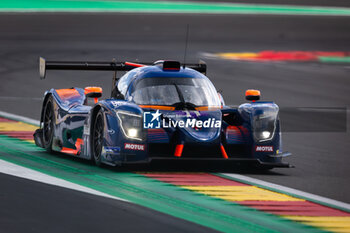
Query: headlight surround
[131, 125]
[264, 123]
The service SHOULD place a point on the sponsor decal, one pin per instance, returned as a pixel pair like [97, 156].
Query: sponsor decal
[111, 131]
[264, 148]
[112, 149]
[193, 123]
[153, 121]
[118, 103]
[132, 146]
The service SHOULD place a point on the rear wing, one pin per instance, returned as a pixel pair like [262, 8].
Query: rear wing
[102, 66]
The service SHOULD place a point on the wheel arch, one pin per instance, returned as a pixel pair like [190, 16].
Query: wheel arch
[93, 114]
[46, 98]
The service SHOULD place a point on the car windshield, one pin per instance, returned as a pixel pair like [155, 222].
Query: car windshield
[169, 91]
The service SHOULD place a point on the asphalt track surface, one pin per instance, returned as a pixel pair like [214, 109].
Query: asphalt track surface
[321, 159]
[62, 212]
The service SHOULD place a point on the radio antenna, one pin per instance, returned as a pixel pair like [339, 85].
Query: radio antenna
[188, 28]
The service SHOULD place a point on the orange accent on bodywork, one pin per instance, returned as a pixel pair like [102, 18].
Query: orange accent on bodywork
[160, 107]
[78, 144]
[252, 92]
[69, 151]
[223, 151]
[92, 89]
[77, 149]
[170, 108]
[233, 129]
[178, 150]
[208, 108]
[66, 93]
[134, 64]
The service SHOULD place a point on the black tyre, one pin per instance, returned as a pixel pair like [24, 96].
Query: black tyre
[48, 124]
[97, 138]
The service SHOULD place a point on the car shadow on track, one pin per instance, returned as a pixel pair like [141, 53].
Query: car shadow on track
[180, 166]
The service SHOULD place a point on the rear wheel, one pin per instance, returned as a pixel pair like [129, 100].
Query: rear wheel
[97, 138]
[48, 125]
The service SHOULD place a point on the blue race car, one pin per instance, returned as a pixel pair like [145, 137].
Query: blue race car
[159, 111]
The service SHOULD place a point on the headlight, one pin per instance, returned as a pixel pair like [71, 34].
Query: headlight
[264, 123]
[133, 132]
[131, 125]
[265, 134]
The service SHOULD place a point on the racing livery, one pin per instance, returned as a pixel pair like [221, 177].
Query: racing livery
[158, 111]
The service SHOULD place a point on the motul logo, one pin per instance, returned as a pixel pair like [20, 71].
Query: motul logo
[264, 148]
[131, 146]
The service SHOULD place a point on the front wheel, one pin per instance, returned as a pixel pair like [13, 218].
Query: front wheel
[97, 138]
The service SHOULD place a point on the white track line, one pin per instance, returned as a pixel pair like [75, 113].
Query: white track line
[277, 187]
[19, 171]
[26, 173]
[20, 98]
[19, 118]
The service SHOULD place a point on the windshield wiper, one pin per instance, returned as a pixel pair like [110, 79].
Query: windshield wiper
[182, 99]
[182, 105]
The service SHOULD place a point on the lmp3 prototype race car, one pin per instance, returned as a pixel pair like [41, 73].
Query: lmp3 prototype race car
[158, 111]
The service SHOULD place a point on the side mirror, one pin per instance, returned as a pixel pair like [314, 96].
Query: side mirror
[93, 92]
[252, 95]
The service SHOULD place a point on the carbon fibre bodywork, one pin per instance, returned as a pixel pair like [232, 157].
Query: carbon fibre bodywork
[236, 137]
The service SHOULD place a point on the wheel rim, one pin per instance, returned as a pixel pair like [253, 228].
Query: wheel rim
[98, 137]
[48, 123]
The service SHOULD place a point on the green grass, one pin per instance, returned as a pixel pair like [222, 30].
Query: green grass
[164, 7]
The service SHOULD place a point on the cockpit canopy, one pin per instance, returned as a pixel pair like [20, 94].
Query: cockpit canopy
[182, 89]
[170, 91]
